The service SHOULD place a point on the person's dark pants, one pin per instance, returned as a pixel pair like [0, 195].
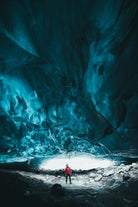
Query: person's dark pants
[68, 177]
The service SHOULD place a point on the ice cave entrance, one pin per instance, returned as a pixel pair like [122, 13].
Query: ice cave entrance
[83, 161]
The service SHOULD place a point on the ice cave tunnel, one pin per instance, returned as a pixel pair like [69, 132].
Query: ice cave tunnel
[69, 87]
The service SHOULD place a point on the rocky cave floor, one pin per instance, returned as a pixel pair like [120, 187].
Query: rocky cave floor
[102, 187]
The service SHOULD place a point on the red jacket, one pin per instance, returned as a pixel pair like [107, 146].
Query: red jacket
[68, 171]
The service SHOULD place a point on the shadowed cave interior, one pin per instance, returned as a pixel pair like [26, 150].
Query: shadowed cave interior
[68, 89]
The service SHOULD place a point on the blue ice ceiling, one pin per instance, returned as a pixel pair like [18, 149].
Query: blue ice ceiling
[68, 76]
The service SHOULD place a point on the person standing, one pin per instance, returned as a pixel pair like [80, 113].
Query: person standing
[67, 173]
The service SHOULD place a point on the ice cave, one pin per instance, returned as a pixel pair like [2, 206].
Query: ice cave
[68, 95]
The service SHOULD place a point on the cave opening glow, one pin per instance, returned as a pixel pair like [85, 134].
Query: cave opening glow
[84, 161]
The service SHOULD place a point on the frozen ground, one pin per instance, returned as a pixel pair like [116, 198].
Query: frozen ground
[115, 184]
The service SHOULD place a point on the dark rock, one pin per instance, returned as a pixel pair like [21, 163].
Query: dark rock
[126, 177]
[57, 189]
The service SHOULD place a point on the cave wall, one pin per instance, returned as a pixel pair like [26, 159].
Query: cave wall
[68, 75]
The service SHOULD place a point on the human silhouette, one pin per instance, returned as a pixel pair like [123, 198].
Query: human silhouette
[67, 173]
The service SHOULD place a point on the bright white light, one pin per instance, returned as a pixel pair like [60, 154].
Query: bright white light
[78, 162]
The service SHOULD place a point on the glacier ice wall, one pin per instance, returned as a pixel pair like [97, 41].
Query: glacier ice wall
[68, 76]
